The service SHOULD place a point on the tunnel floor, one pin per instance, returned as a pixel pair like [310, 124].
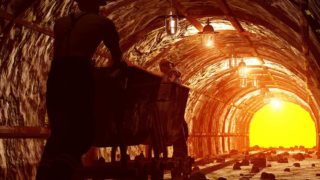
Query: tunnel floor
[308, 170]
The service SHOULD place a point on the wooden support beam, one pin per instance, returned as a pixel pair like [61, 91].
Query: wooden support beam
[217, 135]
[304, 27]
[30, 25]
[304, 31]
[222, 101]
[24, 132]
[235, 23]
[277, 13]
[181, 10]
[228, 13]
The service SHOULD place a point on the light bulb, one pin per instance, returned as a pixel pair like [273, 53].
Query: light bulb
[243, 82]
[208, 40]
[171, 23]
[255, 82]
[242, 69]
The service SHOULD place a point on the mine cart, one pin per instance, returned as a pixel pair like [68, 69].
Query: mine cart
[135, 107]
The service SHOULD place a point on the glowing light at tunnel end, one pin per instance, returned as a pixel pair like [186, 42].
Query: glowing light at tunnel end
[288, 127]
[276, 103]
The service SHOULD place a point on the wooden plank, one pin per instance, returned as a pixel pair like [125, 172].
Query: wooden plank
[182, 10]
[24, 132]
[30, 25]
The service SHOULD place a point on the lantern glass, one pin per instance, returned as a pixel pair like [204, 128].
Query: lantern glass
[242, 69]
[208, 40]
[255, 82]
[232, 61]
[171, 23]
[243, 82]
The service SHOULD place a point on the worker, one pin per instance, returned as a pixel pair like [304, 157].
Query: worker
[170, 72]
[69, 97]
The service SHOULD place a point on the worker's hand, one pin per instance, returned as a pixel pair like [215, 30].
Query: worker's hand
[120, 65]
[119, 69]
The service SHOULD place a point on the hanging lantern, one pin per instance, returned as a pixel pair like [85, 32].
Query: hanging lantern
[208, 35]
[243, 82]
[242, 69]
[232, 60]
[255, 82]
[171, 22]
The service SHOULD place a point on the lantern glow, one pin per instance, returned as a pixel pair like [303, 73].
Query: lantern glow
[288, 127]
[208, 35]
[171, 22]
[242, 69]
[255, 82]
[208, 40]
[276, 103]
[243, 82]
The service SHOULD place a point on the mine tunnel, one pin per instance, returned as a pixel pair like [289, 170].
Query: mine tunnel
[263, 56]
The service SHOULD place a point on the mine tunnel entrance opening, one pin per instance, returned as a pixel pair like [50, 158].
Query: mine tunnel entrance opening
[282, 124]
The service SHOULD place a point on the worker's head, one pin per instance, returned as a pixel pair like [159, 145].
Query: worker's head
[166, 66]
[90, 5]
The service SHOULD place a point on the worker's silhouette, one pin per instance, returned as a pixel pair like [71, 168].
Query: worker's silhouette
[70, 88]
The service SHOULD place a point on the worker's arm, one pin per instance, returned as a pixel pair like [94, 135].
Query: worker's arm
[111, 40]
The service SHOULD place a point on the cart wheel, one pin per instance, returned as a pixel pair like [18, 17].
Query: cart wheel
[142, 175]
[176, 173]
[157, 171]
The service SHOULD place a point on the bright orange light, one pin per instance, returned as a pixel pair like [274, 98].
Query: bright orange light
[208, 40]
[243, 82]
[287, 127]
[209, 43]
[243, 70]
[276, 103]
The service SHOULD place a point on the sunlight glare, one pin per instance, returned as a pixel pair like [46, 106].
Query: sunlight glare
[287, 127]
[276, 103]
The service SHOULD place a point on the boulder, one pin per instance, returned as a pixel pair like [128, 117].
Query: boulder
[245, 162]
[282, 159]
[267, 176]
[260, 162]
[221, 160]
[298, 157]
[222, 178]
[286, 170]
[296, 164]
[254, 169]
[236, 166]
[198, 176]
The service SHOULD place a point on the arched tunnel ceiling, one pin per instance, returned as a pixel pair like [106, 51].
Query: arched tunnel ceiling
[272, 37]
[274, 30]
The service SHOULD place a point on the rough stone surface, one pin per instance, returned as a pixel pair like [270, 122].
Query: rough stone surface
[26, 51]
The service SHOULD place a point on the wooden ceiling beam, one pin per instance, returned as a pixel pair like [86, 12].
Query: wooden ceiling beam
[24, 132]
[235, 23]
[302, 28]
[275, 12]
[182, 10]
[27, 24]
[228, 13]
[226, 9]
